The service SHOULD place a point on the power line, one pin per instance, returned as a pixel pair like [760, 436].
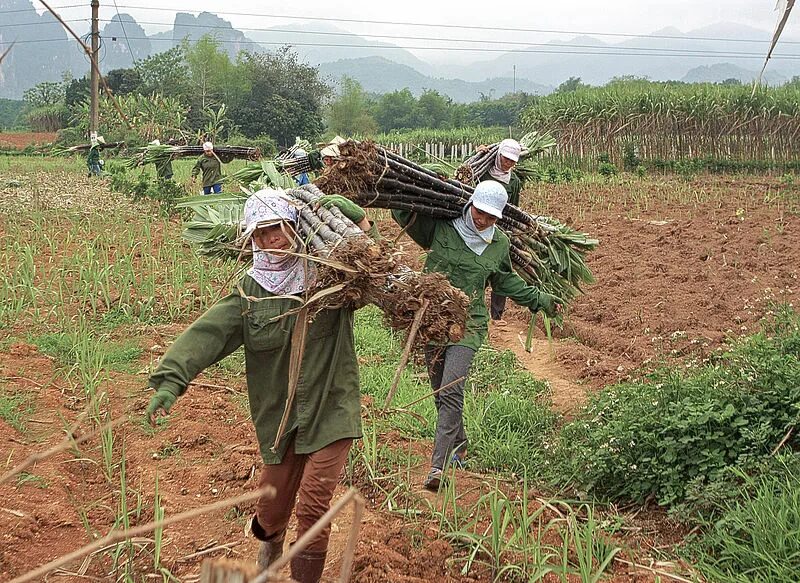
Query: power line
[39, 23]
[464, 40]
[28, 9]
[125, 34]
[602, 52]
[469, 27]
[423, 38]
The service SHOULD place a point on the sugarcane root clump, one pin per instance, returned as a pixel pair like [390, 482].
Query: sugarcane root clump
[379, 278]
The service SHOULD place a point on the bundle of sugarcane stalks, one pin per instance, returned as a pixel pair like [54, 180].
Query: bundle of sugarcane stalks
[483, 160]
[351, 269]
[86, 148]
[152, 153]
[544, 252]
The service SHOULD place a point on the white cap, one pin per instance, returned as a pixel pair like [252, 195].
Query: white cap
[155, 143]
[510, 149]
[299, 153]
[490, 197]
[208, 146]
[101, 139]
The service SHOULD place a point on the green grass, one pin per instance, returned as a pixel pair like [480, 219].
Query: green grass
[26, 479]
[506, 411]
[756, 535]
[65, 348]
[15, 408]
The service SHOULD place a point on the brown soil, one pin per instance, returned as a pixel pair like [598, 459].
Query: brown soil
[21, 139]
[674, 278]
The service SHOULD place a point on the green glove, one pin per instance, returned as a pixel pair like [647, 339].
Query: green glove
[163, 400]
[349, 209]
[550, 304]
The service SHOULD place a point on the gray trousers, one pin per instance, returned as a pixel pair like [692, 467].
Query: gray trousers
[445, 366]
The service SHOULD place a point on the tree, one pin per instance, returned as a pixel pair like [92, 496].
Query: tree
[214, 78]
[165, 73]
[396, 110]
[570, 85]
[45, 93]
[285, 97]
[349, 114]
[433, 109]
[123, 81]
[77, 90]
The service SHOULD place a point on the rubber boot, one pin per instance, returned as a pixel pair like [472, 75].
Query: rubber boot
[307, 566]
[271, 546]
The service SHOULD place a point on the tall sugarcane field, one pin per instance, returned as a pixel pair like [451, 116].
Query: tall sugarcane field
[628, 415]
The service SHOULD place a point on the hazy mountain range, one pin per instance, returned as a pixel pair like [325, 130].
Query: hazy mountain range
[45, 53]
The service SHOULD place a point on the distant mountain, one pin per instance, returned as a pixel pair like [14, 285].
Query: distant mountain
[192, 28]
[650, 56]
[720, 72]
[45, 59]
[125, 42]
[710, 53]
[379, 75]
[308, 39]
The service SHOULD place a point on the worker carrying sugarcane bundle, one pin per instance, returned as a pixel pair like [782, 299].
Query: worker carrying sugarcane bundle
[93, 160]
[473, 254]
[304, 448]
[502, 170]
[163, 165]
[211, 168]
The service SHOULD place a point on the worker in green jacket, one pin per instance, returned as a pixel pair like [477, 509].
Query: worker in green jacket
[473, 254]
[211, 167]
[324, 418]
[502, 171]
[93, 161]
[164, 169]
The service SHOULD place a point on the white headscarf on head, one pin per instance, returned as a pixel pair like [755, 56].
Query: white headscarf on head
[277, 273]
[510, 149]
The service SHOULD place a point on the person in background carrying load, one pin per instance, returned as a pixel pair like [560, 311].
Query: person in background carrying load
[325, 416]
[472, 253]
[211, 168]
[301, 178]
[93, 161]
[163, 167]
[503, 171]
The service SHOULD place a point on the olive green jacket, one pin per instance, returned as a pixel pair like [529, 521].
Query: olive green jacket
[327, 403]
[469, 272]
[211, 169]
[93, 157]
[513, 188]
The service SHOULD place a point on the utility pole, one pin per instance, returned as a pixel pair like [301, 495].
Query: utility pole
[94, 118]
[515, 80]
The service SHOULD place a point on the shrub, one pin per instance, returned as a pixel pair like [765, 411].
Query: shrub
[657, 436]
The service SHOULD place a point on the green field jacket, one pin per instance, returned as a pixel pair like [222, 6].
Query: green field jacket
[327, 403]
[471, 273]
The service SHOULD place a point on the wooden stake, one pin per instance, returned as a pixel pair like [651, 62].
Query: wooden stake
[412, 333]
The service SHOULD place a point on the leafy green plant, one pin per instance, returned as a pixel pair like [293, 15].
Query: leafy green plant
[657, 436]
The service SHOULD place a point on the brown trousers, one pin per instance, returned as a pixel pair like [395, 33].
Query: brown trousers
[310, 479]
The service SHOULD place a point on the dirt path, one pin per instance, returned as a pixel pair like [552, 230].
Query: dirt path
[566, 392]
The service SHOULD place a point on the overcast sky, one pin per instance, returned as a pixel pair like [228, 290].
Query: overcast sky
[610, 16]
